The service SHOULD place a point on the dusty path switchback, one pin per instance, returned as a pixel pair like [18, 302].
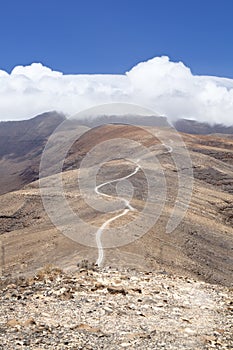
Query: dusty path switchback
[107, 222]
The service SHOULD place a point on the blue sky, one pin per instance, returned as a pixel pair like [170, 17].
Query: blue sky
[111, 36]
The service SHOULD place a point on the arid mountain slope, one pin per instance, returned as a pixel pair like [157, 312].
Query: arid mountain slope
[21, 145]
[198, 128]
[22, 142]
[201, 246]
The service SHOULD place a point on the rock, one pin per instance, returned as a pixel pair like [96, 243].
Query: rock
[117, 290]
[97, 286]
[86, 327]
[189, 331]
[29, 322]
[108, 309]
[125, 345]
[186, 320]
[66, 312]
[13, 323]
[209, 338]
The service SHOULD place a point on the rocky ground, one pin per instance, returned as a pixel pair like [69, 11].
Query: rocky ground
[113, 309]
[117, 308]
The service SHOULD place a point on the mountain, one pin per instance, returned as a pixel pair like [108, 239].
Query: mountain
[18, 138]
[158, 289]
[195, 127]
[152, 120]
[200, 247]
[22, 142]
[21, 145]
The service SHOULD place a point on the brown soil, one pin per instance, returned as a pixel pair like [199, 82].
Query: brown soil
[201, 246]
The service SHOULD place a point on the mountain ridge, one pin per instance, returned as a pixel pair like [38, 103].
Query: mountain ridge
[22, 142]
[201, 246]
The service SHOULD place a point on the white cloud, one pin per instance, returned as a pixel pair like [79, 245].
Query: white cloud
[168, 88]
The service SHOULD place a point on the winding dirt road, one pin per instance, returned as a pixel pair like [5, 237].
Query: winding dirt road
[128, 207]
[106, 223]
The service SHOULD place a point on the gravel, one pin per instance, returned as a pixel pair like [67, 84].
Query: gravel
[113, 309]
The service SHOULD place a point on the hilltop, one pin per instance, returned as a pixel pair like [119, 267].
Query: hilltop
[113, 309]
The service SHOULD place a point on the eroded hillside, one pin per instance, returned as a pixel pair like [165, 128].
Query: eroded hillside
[201, 246]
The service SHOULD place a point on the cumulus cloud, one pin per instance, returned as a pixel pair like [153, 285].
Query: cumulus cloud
[168, 88]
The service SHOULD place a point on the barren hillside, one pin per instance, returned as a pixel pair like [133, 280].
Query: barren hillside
[201, 246]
